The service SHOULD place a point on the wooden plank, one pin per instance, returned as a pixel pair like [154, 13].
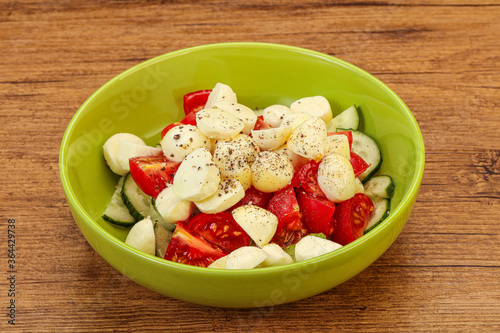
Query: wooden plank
[440, 57]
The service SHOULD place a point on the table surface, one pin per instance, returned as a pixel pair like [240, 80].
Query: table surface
[441, 57]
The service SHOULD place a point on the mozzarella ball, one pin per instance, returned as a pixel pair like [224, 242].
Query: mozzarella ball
[242, 112]
[274, 114]
[336, 178]
[308, 140]
[316, 106]
[293, 120]
[218, 124]
[181, 141]
[271, 138]
[271, 172]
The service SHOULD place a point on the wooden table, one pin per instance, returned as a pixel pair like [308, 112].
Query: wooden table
[441, 57]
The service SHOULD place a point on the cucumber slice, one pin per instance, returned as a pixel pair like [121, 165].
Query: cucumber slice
[348, 119]
[162, 238]
[116, 212]
[366, 147]
[382, 208]
[379, 187]
[136, 201]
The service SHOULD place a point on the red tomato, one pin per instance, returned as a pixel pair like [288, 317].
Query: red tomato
[290, 229]
[351, 217]
[358, 164]
[168, 128]
[152, 173]
[307, 178]
[195, 101]
[190, 119]
[346, 133]
[317, 213]
[221, 230]
[187, 249]
[253, 197]
[260, 124]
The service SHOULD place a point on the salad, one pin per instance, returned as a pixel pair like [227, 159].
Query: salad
[235, 188]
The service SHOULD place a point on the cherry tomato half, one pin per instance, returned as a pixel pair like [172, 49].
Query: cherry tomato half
[188, 249]
[253, 197]
[190, 119]
[351, 217]
[195, 101]
[358, 164]
[307, 178]
[317, 213]
[221, 230]
[152, 173]
[290, 229]
[261, 124]
[168, 128]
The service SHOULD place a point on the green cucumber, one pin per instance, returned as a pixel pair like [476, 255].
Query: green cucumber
[379, 187]
[348, 119]
[381, 209]
[162, 238]
[116, 212]
[136, 201]
[366, 147]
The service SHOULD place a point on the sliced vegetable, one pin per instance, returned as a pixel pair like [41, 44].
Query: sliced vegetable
[188, 249]
[351, 218]
[358, 164]
[348, 119]
[221, 230]
[195, 101]
[254, 197]
[135, 199]
[366, 147]
[152, 173]
[382, 209]
[307, 178]
[317, 213]
[116, 211]
[286, 208]
[380, 187]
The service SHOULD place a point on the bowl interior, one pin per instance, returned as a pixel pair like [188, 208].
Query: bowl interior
[144, 99]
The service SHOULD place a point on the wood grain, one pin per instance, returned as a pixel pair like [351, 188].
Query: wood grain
[441, 57]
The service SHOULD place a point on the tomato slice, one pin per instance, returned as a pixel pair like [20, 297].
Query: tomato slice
[351, 217]
[358, 164]
[317, 213]
[188, 249]
[152, 173]
[261, 124]
[168, 128]
[195, 101]
[346, 133]
[290, 229]
[190, 119]
[307, 178]
[253, 197]
[221, 230]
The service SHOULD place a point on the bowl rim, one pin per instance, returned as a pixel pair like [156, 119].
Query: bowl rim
[407, 199]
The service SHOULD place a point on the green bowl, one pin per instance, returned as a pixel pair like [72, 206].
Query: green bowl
[147, 97]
